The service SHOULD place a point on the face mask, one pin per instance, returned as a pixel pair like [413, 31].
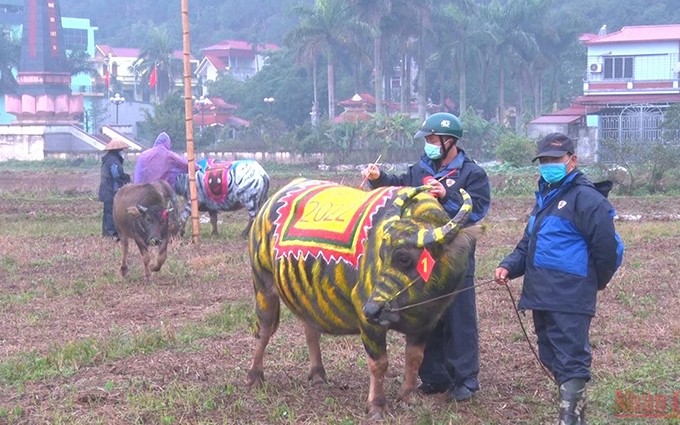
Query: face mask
[433, 151]
[552, 173]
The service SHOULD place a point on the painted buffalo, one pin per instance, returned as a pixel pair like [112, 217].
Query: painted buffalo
[226, 186]
[145, 213]
[352, 262]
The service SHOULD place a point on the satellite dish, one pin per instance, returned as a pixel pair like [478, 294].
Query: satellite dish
[676, 68]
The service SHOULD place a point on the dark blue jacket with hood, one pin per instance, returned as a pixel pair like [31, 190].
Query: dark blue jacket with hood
[570, 248]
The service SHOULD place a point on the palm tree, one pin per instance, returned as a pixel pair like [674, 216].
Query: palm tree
[157, 54]
[10, 52]
[404, 38]
[374, 12]
[511, 44]
[423, 47]
[461, 20]
[323, 30]
[79, 61]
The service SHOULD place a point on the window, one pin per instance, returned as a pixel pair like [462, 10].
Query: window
[618, 67]
[74, 39]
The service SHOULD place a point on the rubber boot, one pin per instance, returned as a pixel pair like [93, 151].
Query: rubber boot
[573, 402]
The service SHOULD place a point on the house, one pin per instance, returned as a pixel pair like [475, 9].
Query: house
[631, 78]
[119, 73]
[235, 57]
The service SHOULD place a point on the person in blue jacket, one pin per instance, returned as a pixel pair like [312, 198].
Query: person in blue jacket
[451, 358]
[112, 178]
[569, 251]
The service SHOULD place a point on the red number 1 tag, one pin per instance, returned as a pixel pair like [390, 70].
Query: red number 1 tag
[425, 265]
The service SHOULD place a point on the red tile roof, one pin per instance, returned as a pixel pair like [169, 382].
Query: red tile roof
[639, 33]
[567, 115]
[240, 45]
[216, 61]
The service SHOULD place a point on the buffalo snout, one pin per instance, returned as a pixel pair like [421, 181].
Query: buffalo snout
[378, 314]
[155, 241]
[372, 311]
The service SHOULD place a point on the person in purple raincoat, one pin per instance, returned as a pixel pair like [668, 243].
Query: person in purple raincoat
[160, 163]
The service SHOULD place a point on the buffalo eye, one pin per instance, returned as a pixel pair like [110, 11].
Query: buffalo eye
[402, 260]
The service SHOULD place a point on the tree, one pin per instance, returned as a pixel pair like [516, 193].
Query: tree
[375, 11]
[157, 57]
[323, 29]
[461, 18]
[168, 116]
[10, 52]
[79, 61]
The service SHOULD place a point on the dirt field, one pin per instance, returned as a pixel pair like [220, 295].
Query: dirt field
[78, 344]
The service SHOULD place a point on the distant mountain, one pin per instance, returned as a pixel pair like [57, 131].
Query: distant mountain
[125, 22]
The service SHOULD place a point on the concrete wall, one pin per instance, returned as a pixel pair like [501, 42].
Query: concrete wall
[585, 137]
[26, 146]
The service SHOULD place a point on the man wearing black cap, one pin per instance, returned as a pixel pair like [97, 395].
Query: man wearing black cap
[112, 178]
[569, 251]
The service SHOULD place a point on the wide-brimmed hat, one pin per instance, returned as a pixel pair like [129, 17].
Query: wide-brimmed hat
[554, 145]
[116, 145]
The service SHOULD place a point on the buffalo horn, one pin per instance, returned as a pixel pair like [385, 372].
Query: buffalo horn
[398, 205]
[425, 237]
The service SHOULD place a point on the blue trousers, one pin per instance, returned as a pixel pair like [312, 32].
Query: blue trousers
[452, 349]
[564, 344]
[108, 228]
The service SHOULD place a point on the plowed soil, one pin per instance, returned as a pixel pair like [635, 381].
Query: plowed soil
[59, 290]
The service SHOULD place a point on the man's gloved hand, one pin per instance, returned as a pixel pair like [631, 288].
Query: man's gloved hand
[438, 190]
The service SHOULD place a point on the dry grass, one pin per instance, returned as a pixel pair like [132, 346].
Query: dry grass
[79, 345]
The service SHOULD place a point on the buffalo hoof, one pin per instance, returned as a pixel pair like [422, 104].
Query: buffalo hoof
[375, 414]
[407, 401]
[255, 378]
[406, 396]
[376, 409]
[123, 271]
[317, 376]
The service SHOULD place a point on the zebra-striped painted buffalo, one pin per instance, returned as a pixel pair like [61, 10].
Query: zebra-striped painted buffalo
[352, 262]
[226, 186]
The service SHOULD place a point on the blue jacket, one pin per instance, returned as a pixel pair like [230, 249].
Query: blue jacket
[462, 172]
[570, 248]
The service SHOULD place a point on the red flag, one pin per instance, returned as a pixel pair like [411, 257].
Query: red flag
[107, 80]
[425, 265]
[153, 77]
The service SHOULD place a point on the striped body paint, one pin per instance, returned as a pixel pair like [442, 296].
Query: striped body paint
[226, 186]
[342, 260]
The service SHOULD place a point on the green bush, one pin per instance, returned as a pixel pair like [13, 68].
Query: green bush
[515, 150]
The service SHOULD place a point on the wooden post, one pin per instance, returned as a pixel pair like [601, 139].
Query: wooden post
[189, 121]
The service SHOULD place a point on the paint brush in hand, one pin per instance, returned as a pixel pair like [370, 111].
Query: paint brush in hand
[366, 178]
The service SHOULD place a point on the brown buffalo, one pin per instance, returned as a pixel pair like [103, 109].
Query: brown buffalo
[145, 213]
